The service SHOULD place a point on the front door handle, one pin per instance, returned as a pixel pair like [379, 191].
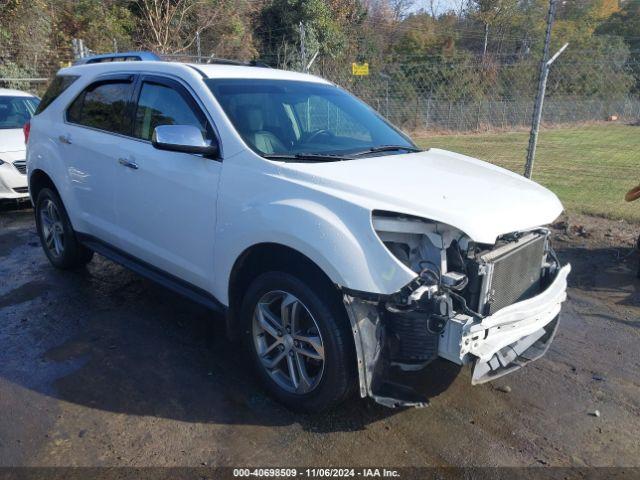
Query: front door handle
[127, 163]
[65, 139]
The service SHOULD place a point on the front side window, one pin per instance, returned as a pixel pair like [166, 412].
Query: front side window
[162, 105]
[103, 105]
[282, 117]
[16, 111]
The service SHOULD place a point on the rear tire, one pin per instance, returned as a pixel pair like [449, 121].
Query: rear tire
[57, 237]
[317, 345]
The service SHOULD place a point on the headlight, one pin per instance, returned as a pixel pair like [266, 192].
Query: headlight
[420, 244]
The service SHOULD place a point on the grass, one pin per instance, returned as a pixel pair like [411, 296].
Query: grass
[590, 168]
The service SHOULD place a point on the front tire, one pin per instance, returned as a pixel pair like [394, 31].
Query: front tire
[56, 234]
[300, 341]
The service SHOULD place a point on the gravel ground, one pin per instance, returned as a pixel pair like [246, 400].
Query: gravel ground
[103, 368]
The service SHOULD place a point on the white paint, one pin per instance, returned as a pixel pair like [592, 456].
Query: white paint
[12, 149]
[194, 217]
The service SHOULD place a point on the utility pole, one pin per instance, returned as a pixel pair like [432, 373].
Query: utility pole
[542, 86]
[303, 51]
[76, 48]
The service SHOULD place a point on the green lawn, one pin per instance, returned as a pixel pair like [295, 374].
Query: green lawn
[590, 168]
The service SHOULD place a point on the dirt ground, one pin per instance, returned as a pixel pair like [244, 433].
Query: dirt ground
[104, 368]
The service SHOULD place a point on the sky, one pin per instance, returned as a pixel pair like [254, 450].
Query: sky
[441, 5]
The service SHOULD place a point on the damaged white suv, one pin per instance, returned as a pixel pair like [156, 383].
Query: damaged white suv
[346, 257]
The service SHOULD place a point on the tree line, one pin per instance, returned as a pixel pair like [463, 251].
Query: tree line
[468, 47]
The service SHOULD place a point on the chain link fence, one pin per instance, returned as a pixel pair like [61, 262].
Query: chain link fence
[589, 145]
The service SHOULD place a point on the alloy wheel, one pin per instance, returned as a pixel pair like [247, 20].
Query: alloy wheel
[52, 228]
[288, 342]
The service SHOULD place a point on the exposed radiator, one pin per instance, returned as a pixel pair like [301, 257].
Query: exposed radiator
[513, 273]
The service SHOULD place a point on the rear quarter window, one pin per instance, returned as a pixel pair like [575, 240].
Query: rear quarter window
[59, 84]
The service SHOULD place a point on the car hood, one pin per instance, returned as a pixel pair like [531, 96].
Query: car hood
[480, 199]
[11, 140]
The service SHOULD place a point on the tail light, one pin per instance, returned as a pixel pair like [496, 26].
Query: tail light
[26, 129]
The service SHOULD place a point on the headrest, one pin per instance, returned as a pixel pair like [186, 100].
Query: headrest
[250, 118]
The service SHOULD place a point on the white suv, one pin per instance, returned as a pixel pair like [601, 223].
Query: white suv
[345, 256]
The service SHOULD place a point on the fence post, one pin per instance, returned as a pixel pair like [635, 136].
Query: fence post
[542, 84]
[537, 115]
[303, 50]
[504, 114]
[386, 98]
[198, 50]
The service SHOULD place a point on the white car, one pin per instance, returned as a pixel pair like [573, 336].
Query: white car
[346, 257]
[16, 109]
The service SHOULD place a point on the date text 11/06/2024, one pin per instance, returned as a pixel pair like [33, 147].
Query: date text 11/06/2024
[316, 472]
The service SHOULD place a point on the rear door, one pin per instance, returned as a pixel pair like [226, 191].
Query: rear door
[166, 205]
[91, 141]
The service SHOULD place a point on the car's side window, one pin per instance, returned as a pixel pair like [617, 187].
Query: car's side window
[160, 104]
[57, 87]
[103, 105]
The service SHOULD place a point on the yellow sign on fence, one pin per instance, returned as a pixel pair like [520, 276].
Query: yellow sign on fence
[360, 69]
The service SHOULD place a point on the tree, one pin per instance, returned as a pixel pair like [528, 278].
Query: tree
[171, 26]
[422, 37]
[401, 8]
[490, 13]
[232, 35]
[327, 24]
[78, 19]
[625, 24]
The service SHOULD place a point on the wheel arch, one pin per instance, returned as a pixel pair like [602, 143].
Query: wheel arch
[38, 179]
[264, 257]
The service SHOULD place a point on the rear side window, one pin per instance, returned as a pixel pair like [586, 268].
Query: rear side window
[103, 105]
[57, 86]
[163, 105]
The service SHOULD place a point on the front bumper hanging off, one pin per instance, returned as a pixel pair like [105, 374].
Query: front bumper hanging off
[497, 345]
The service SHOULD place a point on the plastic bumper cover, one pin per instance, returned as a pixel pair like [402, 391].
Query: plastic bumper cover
[517, 334]
[499, 344]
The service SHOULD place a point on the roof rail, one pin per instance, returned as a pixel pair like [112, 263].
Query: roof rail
[150, 56]
[226, 61]
[118, 57]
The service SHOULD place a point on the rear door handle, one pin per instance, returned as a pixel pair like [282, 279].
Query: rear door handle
[65, 139]
[127, 163]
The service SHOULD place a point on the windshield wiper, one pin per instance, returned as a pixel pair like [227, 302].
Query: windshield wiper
[306, 157]
[386, 148]
[335, 157]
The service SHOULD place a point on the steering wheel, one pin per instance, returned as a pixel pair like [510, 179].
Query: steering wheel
[312, 135]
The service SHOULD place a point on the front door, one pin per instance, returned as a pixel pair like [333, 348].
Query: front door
[166, 203]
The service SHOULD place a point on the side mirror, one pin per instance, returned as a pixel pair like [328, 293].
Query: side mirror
[182, 138]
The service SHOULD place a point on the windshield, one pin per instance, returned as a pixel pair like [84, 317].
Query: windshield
[16, 111]
[290, 118]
